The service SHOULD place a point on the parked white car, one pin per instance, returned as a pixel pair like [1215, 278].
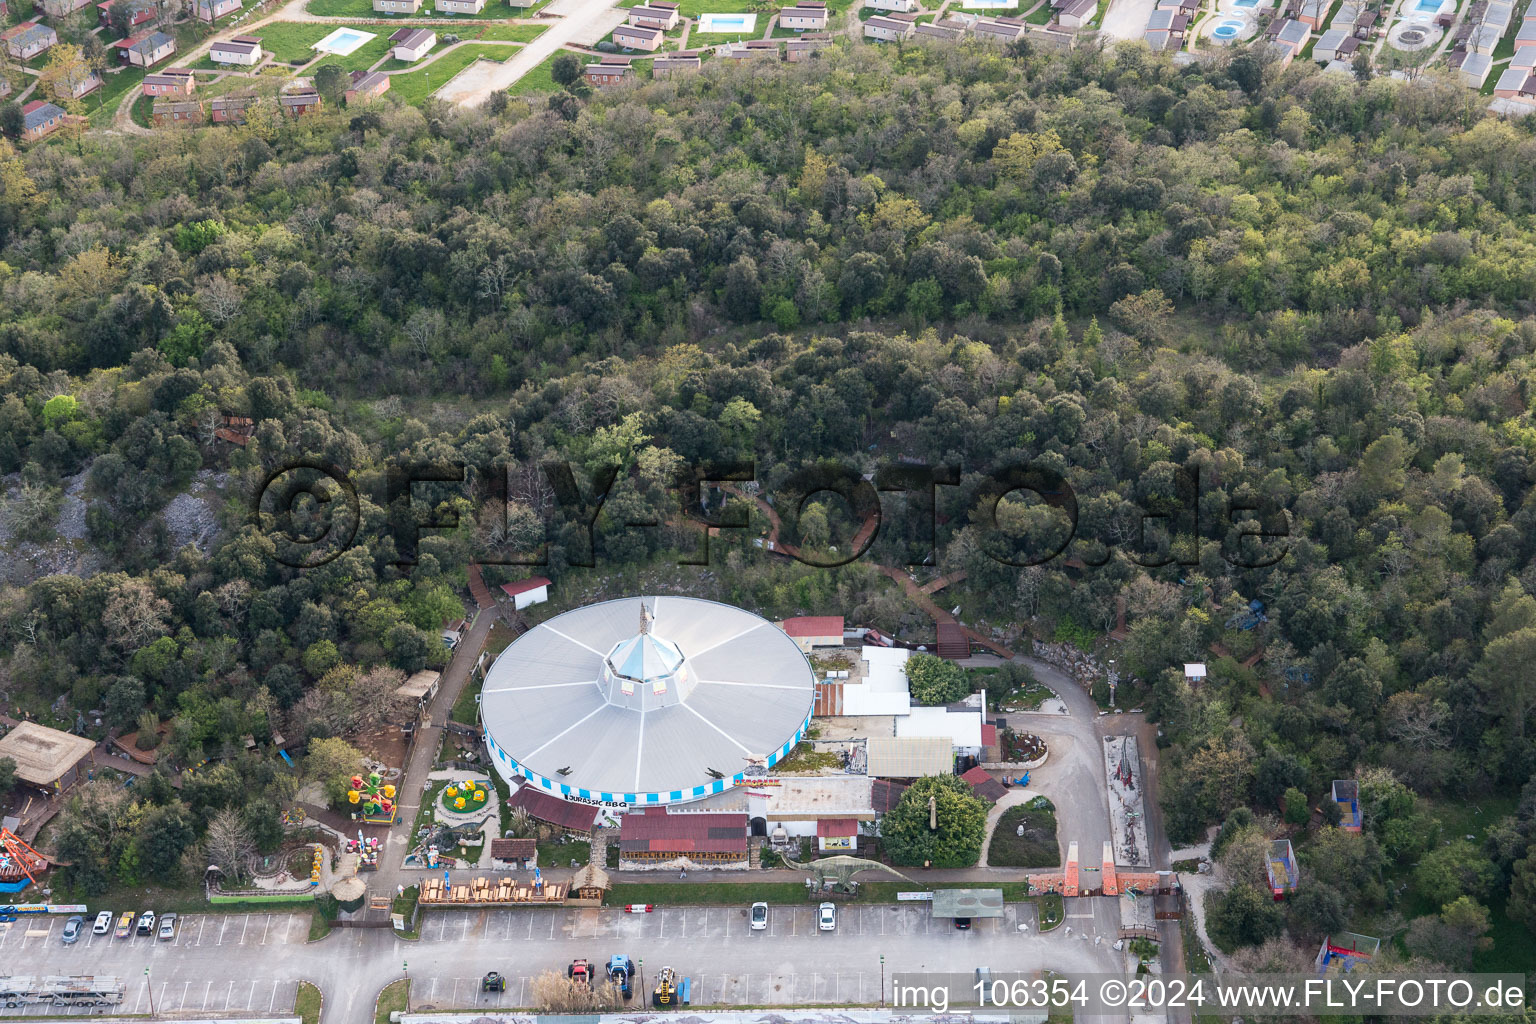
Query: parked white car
[826, 917]
[759, 916]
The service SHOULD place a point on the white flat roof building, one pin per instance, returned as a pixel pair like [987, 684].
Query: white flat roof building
[961, 727]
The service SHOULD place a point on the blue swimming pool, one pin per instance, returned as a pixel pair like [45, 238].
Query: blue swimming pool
[1227, 30]
[1427, 6]
[724, 23]
[1245, 3]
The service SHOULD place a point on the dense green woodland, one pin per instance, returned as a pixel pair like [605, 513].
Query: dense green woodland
[1316, 290]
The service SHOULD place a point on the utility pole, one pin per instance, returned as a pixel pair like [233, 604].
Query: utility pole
[642, 977]
[882, 981]
[150, 985]
[405, 969]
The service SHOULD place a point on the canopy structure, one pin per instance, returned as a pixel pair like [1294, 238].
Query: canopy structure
[967, 903]
[646, 701]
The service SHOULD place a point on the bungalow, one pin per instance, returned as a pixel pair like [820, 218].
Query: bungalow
[299, 103]
[231, 109]
[62, 8]
[1526, 36]
[38, 118]
[1327, 46]
[635, 37]
[1525, 58]
[894, 6]
[604, 74]
[1165, 29]
[1366, 24]
[397, 6]
[1475, 69]
[28, 39]
[752, 49]
[996, 30]
[647, 16]
[140, 11]
[1078, 13]
[886, 30]
[1499, 16]
[411, 44]
[535, 589]
[244, 50]
[1516, 84]
[1484, 39]
[806, 15]
[1312, 13]
[1339, 67]
[211, 11]
[367, 86]
[177, 113]
[797, 51]
[79, 82]
[1289, 38]
[521, 3]
[170, 82]
[146, 49]
[667, 66]
[460, 6]
[1188, 7]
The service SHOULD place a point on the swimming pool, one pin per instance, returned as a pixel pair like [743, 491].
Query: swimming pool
[727, 22]
[1245, 3]
[343, 41]
[1227, 30]
[986, 4]
[1427, 6]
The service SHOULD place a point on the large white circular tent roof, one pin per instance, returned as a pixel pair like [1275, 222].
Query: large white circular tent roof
[646, 700]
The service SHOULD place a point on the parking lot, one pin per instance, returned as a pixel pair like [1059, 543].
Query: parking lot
[179, 968]
[251, 962]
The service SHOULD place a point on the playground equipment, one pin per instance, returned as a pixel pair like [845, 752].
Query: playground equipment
[1281, 863]
[373, 797]
[1344, 950]
[1250, 617]
[1346, 793]
[467, 796]
[1022, 780]
[18, 861]
[367, 851]
[316, 864]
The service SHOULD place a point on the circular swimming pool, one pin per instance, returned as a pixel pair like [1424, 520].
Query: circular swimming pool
[1227, 30]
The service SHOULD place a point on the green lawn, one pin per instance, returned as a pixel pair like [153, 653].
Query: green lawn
[745, 892]
[494, 11]
[1040, 16]
[502, 32]
[102, 104]
[465, 707]
[537, 80]
[1037, 848]
[306, 1005]
[416, 86]
[365, 56]
[291, 41]
[391, 1000]
[141, 110]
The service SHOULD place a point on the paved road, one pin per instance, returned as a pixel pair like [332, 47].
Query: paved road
[1126, 19]
[252, 962]
[582, 22]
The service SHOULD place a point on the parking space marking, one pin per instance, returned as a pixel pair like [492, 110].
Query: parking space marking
[266, 922]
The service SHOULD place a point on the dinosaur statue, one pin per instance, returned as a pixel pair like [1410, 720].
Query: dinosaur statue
[836, 873]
